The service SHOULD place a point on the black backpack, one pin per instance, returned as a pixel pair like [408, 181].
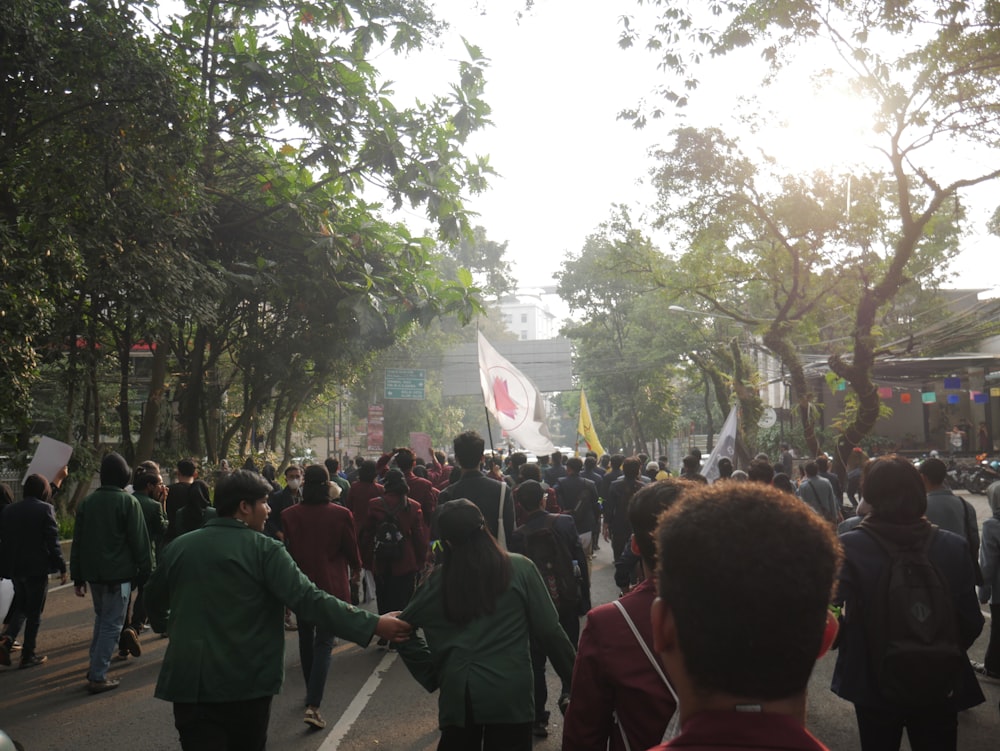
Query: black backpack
[912, 628]
[389, 538]
[554, 564]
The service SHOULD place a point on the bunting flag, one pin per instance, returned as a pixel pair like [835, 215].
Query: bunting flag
[725, 445]
[514, 400]
[585, 427]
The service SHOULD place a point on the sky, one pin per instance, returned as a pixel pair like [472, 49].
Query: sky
[556, 82]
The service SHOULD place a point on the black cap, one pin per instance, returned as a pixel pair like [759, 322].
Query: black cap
[458, 520]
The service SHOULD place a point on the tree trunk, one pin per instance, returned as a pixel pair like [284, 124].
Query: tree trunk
[154, 401]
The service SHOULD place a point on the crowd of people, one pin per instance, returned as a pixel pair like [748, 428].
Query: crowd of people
[480, 571]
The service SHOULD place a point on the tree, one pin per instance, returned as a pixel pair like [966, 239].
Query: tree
[97, 182]
[628, 381]
[317, 280]
[930, 67]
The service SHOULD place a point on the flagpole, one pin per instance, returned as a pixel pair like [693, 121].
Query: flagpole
[489, 430]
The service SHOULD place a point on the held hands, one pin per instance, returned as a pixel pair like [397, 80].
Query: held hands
[81, 590]
[391, 628]
[63, 577]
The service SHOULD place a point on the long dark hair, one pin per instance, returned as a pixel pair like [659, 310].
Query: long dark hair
[193, 513]
[475, 572]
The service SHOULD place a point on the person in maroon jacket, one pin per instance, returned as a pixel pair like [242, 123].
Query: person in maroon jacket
[744, 582]
[321, 539]
[362, 491]
[396, 577]
[422, 491]
[621, 698]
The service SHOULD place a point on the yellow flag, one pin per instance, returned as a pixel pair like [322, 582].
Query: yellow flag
[586, 427]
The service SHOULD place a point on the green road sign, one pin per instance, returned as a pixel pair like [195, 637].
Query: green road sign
[404, 384]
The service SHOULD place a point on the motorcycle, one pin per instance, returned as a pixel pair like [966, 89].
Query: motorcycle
[985, 474]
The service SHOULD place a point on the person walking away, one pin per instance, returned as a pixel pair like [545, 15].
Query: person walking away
[621, 697]
[818, 494]
[989, 592]
[399, 549]
[111, 550]
[477, 612]
[893, 686]
[421, 489]
[151, 493]
[363, 489]
[221, 593]
[731, 557]
[620, 492]
[948, 511]
[578, 496]
[321, 539]
[552, 543]
[29, 552]
[491, 496]
[177, 493]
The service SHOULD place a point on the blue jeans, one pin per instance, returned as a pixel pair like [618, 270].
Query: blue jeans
[315, 645]
[110, 607]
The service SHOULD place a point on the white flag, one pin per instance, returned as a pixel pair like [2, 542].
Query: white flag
[725, 445]
[514, 400]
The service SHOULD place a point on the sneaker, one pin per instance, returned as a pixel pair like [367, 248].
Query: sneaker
[540, 729]
[314, 718]
[30, 662]
[129, 642]
[981, 672]
[99, 687]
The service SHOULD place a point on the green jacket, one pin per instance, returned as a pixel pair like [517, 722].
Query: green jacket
[156, 522]
[489, 658]
[220, 592]
[110, 541]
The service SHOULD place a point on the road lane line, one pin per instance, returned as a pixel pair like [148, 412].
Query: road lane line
[358, 704]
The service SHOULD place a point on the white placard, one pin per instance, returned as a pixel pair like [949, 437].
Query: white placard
[50, 456]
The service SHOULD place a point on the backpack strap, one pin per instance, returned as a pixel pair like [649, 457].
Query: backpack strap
[673, 727]
[501, 532]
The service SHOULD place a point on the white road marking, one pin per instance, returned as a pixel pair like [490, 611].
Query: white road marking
[358, 704]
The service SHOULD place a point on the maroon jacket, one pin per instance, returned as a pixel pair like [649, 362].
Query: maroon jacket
[613, 674]
[423, 492]
[742, 731]
[357, 502]
[411, 524]
[439, 474]
[321, 539]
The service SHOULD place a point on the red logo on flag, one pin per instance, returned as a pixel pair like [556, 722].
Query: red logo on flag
[501, 398]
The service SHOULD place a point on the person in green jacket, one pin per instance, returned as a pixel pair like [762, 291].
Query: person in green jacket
[111, 550]
[150, 492]
[477, 610]
[221, 592]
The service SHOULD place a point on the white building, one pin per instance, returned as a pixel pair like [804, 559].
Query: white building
[527, 315]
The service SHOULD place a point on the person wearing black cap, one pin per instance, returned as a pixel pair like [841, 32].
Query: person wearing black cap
[111, 550]
[477, 610]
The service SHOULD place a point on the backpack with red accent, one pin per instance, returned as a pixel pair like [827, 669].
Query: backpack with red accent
[912, 627]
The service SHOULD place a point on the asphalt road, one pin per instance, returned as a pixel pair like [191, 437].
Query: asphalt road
[371, 702]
